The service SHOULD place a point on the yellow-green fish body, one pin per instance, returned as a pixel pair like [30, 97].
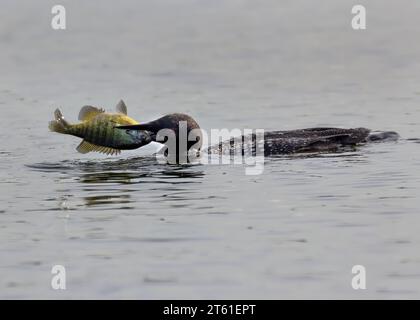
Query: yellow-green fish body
[98, 131]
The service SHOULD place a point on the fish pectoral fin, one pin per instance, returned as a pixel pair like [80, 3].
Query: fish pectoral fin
[85, 147]
[106, 150]
[88, 112]
[121, 107]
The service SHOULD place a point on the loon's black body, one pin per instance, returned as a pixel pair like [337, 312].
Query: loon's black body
[294, 141]
[275, 142]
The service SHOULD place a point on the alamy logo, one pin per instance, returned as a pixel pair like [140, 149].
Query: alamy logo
[240, 147]
[59, 19]
[58, 281]
[359, 280]
[359, 20]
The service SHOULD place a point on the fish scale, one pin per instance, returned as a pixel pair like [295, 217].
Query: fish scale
[109, 136]
[89, 133]
[97, 133]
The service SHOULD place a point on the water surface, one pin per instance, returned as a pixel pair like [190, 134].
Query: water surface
[129, 227]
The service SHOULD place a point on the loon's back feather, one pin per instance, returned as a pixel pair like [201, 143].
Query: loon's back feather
[292, 141]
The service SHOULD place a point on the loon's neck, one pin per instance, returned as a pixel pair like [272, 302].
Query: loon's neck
[179, 132]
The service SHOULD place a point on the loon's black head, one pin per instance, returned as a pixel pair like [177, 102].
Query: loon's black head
[179, 132]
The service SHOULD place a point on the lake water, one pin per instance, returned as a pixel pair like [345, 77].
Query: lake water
[127, 227]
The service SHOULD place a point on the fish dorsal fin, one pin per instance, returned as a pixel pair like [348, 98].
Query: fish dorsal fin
[121, 107]
[85, 147]
[88, 112]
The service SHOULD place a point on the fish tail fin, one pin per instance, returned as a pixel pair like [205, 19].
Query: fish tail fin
[58, 124]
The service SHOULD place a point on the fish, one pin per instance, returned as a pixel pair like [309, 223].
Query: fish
[99, 132]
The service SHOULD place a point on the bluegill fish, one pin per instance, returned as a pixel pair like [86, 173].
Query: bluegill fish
[98, 130]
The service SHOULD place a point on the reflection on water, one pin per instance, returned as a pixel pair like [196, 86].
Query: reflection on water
[129, 168]
[107, 199]
[123, 183]
[113, 182]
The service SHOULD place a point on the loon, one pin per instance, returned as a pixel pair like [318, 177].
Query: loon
[322, 139]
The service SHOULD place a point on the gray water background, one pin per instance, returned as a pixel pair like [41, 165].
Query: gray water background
[127, 227]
